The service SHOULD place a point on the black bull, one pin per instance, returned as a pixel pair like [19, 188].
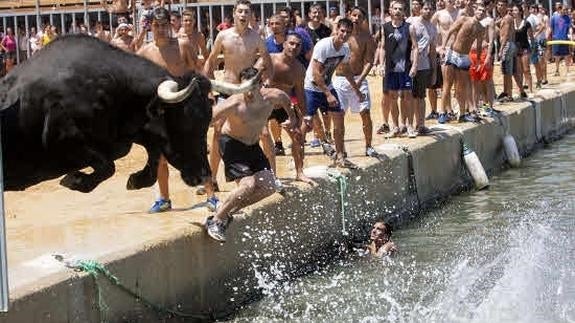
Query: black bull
[82, 103]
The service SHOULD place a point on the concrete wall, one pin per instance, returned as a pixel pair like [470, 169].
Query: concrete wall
[282, 236]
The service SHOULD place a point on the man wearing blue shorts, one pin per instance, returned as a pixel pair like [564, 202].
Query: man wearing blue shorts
[328, 53]
[560, 23]
[400, 52]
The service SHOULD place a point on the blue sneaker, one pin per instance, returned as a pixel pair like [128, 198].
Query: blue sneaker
[212, 203]
[314, 143]
[161, 205]
[442, 118]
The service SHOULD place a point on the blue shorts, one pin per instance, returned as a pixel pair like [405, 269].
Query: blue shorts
[317, 100]
[397, 81]
[560, 50]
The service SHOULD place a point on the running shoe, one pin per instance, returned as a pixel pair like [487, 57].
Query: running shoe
[411, 133]
[314, 143]
[216, 229]
[422, 131]
[467, 118]
[344, 163]
[556, 73]
[161, 205]
[328, 149]
[451, 115]
[443, 118]
[279, 149]
[212, 203]
[383, 129]
[523, 95]
[371, 152]
[432, 115]
[393, 133]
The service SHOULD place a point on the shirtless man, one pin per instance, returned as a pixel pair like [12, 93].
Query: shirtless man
[465, 30]
[244, 116]
[380, 244]
[196, 39]
[362, 47]
[123, 40]
[508, 50]
[241, 47]
[289, 75]
[482, 64]
[176, 57]
[444, 20]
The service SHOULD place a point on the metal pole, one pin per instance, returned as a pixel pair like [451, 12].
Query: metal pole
[369, 15]
[86, 16]
[74, 19]
[211, 24]
[17, 36]
[51, 19]
[63, 23]
[4, 296]
[198, 19]
[27, 26]
[262, 18]
[38, 22]
[222, 13]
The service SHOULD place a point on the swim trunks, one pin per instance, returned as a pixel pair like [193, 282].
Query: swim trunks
[509, 59]
[241, 160]
[438, 75]
[460, 61]
[397, 81]
[347, 97]
[318, 100]
[479, 71]
[421, 82]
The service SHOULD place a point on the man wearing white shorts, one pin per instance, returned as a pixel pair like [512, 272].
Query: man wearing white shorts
[362, 47]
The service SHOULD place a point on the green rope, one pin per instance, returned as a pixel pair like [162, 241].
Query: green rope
[95, 269]
[336, 176]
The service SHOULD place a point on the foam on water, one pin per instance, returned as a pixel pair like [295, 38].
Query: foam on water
[503, 255]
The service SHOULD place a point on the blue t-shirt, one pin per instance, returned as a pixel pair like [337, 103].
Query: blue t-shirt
[306, 45]
[560, 26]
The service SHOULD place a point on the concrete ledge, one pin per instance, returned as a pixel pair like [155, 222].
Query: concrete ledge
[282, 235]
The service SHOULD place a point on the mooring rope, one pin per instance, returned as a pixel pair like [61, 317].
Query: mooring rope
[338, 177]
[95, 269]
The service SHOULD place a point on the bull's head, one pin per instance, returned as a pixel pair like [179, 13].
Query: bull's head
[187, 115]
[168, 90]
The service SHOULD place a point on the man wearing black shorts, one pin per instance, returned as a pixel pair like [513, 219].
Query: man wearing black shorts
[245, 116]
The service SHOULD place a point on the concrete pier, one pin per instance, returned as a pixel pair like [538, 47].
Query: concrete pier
[169, 260]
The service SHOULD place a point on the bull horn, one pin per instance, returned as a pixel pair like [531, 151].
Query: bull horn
[168, 91]
[230, 88]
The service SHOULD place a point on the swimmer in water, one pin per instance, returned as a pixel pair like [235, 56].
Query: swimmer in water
[380, 241]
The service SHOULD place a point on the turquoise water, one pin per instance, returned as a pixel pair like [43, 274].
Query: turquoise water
[506, 254]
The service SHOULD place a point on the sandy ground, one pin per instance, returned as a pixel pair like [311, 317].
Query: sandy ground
[48, 218]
